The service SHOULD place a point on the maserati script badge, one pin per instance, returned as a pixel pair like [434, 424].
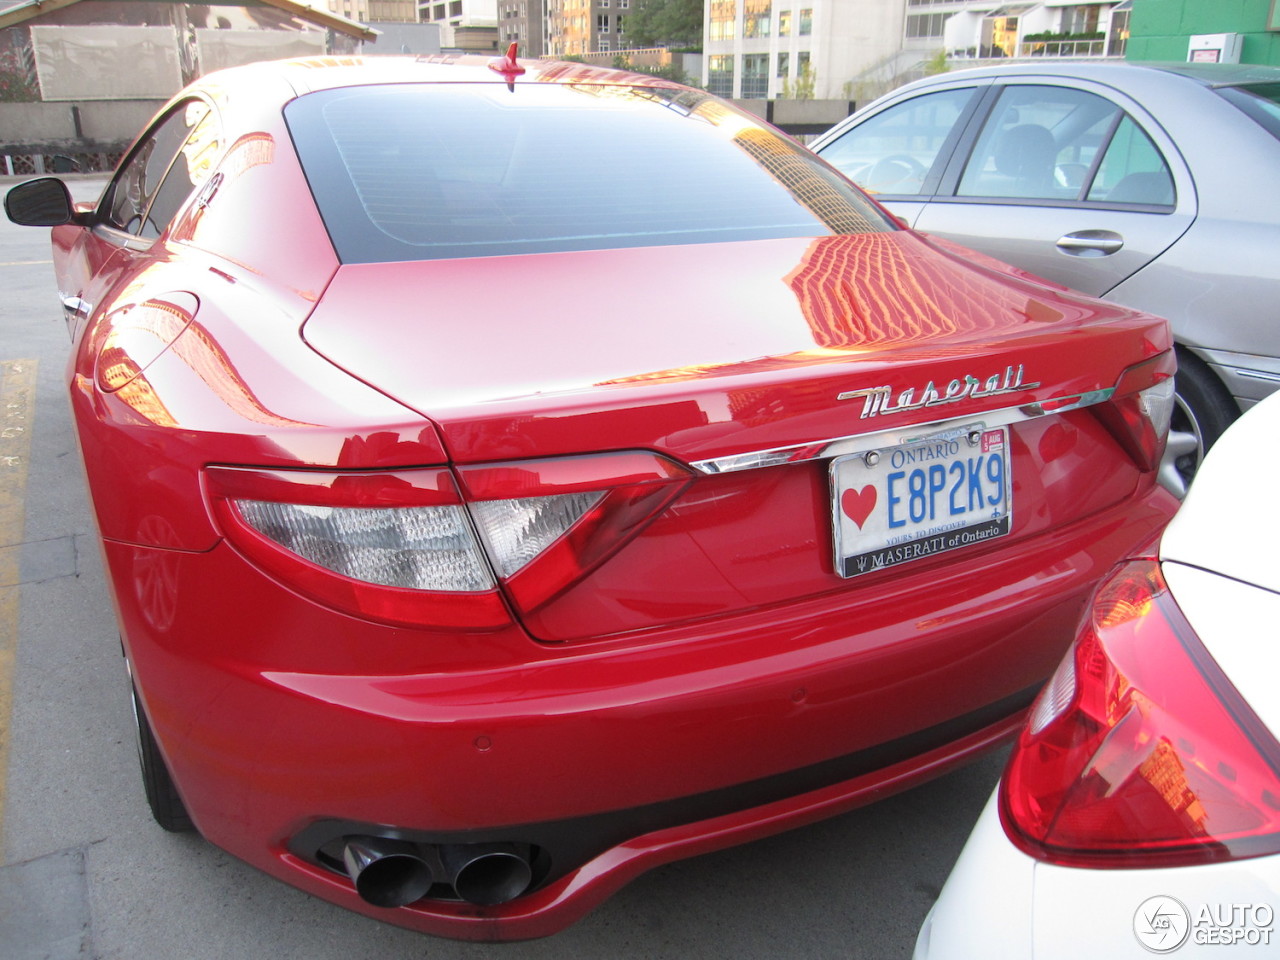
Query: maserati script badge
[877, 401]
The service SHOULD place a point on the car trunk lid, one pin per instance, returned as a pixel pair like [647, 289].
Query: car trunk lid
[862, 339]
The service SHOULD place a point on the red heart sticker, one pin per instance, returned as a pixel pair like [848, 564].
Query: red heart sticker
[858, 504]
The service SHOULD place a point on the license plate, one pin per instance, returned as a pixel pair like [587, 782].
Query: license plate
[921, 498]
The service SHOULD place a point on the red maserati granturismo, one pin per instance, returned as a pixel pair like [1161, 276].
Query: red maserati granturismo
[515, 475]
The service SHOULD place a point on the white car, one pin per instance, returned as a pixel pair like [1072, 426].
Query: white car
[1140, 811]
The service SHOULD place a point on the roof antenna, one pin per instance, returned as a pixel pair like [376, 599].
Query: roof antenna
[507, 66]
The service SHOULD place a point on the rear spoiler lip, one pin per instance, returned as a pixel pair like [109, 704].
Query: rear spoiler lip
[866, 442]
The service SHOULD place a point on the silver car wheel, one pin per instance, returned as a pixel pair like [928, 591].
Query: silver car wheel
[1183, 451]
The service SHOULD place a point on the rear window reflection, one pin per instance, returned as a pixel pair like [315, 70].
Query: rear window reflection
[431, 171]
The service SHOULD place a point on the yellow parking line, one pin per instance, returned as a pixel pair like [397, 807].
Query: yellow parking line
[17, 414]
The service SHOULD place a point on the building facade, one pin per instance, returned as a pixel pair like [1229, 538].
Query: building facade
[389, 11]
[1071, 29]
[579, 27]
[802, 49]
[523, 22]
[467, 25]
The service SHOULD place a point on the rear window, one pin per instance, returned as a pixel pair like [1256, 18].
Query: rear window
[436, 171]
[1261, 101]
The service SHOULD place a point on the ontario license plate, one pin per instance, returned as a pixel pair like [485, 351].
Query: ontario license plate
[921, 498]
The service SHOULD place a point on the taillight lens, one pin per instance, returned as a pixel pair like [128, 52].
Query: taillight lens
[1139, 752]
[547, 523]
[416, 547]
[395, 547]
[1141, 407]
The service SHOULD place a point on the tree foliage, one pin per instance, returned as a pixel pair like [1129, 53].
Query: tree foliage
[668, 71]
[666, 23]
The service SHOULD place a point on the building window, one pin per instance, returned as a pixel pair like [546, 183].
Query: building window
[720, 75]
[604, 46]
[437, 12]
[455, 8]
[784, 65]
[755, 76]
[1119, 35]
[806, 22]
[802, 65]
[755, 19]
[925, 25]
[784, 23]
[602, 4]
[1004, 36]
[624, 4]
[602, 23]
[620, 22]
[723, 13]
[1080, 19]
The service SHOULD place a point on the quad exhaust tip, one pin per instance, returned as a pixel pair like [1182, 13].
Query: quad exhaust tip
[395, 873]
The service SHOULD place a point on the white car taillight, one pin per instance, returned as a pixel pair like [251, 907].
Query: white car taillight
[1140, 752]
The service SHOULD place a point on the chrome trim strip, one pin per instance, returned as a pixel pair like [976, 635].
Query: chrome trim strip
[866, 442]
[1256, 375]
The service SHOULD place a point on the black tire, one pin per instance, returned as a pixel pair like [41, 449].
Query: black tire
[1203, 410]
[162, 796]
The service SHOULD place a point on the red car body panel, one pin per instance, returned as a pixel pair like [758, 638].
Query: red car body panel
[710, 677]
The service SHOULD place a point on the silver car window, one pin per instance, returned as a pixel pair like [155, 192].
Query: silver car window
[893, 151]
[1065, 145]
[1040, 142]
[1132, 170]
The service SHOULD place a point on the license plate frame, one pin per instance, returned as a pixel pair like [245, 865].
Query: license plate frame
[912, 510]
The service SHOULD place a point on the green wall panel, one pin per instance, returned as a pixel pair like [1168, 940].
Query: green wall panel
[1160, 29]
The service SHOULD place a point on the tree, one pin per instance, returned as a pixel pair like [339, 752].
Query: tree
[668, 71]
[802, 88]
[666, 23]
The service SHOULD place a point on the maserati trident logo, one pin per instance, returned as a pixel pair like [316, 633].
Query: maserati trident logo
[878, 401]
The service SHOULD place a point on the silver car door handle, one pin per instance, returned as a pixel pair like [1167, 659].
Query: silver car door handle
[74, 307]
[1095, 242]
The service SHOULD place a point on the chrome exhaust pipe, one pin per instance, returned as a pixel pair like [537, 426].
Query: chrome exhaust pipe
[387, 873]
[487, 873]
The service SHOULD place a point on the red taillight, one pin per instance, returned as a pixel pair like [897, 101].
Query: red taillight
[1141, 407]
[406, 547]
[393, 547]
[1139, 752]
[547, 523]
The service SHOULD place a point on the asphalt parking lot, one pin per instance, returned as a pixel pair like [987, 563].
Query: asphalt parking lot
[84, 872]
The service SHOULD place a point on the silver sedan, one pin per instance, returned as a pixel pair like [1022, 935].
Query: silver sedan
[1153, 185]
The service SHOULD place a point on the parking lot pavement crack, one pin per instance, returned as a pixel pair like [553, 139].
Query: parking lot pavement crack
[39, 561]
[44, 908]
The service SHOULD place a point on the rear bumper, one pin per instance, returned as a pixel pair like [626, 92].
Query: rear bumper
[563, 901]
[277, 716]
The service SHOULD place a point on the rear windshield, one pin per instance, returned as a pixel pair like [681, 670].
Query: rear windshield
[1261, 101]
[436, 171]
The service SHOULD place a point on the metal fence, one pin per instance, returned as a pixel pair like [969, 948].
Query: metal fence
[39, 164]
